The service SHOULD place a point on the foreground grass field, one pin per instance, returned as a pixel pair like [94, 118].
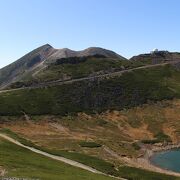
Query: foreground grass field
[23, 163]
[44, 168]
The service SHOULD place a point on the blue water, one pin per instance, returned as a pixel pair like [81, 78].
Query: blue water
[168, 160]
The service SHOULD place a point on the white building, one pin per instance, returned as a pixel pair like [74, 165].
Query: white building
[154, 51]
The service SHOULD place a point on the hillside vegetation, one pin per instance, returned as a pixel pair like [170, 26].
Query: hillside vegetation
[131, 89]
[84, 66]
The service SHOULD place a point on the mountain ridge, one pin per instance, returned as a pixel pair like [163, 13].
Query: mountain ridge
[39, 58]
[91, 51]
[47, 64]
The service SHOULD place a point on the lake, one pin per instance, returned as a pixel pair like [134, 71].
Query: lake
[167, 160]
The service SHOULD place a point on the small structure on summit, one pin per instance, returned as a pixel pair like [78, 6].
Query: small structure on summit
[154, 51]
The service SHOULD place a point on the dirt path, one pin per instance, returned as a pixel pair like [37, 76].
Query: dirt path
[109, 75]
[58, 158]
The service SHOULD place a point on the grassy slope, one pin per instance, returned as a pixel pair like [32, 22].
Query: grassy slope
[139, 174]
[131, 89]
[89, 66]
[94, 162]
[20, 162]
[123, 171]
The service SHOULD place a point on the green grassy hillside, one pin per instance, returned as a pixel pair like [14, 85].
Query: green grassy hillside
[84, 66]
[22, 163]
[130, 89]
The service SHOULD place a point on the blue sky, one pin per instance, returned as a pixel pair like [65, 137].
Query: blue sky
[129, 27]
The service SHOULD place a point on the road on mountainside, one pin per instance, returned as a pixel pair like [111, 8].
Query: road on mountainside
[58, 158]
[113, 74]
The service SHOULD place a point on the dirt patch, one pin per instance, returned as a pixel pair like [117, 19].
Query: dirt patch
[60, 128]
[138, 133]
[44, 130]
[172, 114]
[114, 116]
[141, 132]
[170, 131]
[30, 129]
[2, 171]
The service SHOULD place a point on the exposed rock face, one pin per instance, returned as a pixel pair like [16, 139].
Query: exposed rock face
[27, 63]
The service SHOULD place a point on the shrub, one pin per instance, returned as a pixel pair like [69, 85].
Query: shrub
[89, 144]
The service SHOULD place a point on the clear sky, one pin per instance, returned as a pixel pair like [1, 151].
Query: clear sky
[129, 27]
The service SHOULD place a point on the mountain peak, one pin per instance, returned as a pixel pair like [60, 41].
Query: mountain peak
[40, 57]
[91, 51]
[47, 45]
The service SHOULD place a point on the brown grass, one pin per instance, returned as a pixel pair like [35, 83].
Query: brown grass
[114, 129]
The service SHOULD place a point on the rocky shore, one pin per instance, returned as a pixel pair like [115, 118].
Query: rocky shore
[144, 161]
[165, 148]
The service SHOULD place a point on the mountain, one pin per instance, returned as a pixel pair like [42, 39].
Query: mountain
[19, 68]
[94, 103]
[35, 61]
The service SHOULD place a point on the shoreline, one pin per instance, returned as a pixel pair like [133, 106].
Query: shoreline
[166, 148]
[157, 150]
[144, 162]
[150, 152]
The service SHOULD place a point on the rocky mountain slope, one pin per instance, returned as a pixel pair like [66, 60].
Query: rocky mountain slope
[27, 63]
[32, 63]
